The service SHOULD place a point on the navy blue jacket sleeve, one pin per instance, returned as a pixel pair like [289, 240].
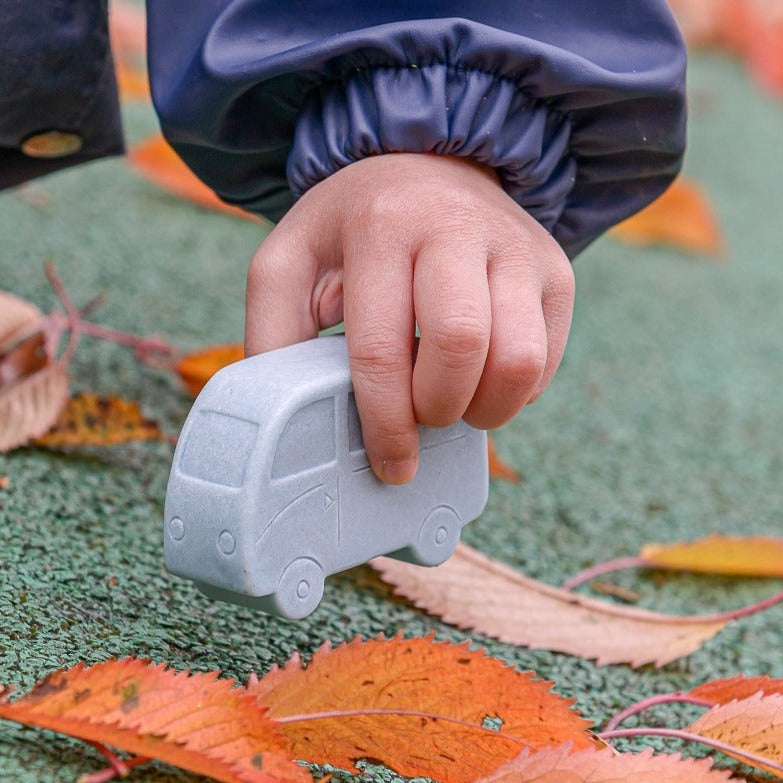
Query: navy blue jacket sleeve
[58, 95]
[578, 105]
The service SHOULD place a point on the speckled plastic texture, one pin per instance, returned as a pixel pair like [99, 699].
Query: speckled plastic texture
[271, 489]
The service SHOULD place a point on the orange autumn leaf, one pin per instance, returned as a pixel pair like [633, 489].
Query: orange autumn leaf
[418, 706]
[475, 592]
[717, 554]
[561, 765]
[92, 420]
[196, 368]
[497, 468]
[194, 721]
[748, 726]
[128, 34]
[723, 691]
[681, 217]
[157, 162]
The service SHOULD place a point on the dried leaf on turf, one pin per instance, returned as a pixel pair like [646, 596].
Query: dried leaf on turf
[475, 592]
[498, 469]
[561, 765]
[681, 217]
[92, 420]
[18, 320]
[196, 368]
[29, 407]
[416, 705]
[157, 162]
[194, 721]
[718, 554]
[754, 724]
[723, 691]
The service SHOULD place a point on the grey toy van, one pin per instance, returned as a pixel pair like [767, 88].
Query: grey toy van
[271, 489]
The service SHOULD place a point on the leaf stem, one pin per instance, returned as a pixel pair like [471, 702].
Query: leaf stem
[687, 736]
[608, 567]
[119, 767]
[78, 325]
[663, 698]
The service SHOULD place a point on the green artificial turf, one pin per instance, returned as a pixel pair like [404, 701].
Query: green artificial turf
[664, 423]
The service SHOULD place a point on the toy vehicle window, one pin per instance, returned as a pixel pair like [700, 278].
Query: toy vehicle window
[355, 442]
[308, 440]
[217, 448]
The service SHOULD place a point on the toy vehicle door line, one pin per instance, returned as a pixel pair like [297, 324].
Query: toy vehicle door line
[450, 439]
[296, 499]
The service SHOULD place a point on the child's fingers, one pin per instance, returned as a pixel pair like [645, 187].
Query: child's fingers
[518, 351]
[289, 294]
[452, 305]
[557, 304]
[379, 329]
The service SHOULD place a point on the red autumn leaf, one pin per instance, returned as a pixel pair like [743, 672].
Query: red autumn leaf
[157, 162]
[561, 765]
[475, 592]
[418, 706]
[194, 721]
[92, 420]
[681, 217]
[723, 691]
[196, 368]
[752, 730]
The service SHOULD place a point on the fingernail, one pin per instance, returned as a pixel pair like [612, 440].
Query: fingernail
[398, 471]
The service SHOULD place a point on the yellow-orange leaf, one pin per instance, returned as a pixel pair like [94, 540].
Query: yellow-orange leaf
[499, 469]
[417, 705]
[195, 369]
[157, 162]
[740, 687]
[91, 420]
[754, 725]
[561, 765]
[473, 591]
[736, 556]
[681, 217]
[194, 721]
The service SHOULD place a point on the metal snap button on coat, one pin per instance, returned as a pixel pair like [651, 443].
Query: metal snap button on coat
[52, 144]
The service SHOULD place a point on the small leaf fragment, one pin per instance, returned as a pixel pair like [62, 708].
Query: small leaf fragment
[195, 721]
[93, 420]
[416, 705]
[719, 554]
[475, 592]
[681, 217]
[498, 469]
[196, 368]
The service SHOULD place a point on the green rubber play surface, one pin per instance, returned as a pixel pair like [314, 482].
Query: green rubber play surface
[664, 423]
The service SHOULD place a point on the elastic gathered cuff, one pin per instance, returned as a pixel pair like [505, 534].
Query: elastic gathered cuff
[439, 109]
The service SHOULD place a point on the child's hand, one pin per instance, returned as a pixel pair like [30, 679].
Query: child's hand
[397, 240]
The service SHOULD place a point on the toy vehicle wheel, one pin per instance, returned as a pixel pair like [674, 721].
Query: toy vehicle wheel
[438, 537]
[300, 589]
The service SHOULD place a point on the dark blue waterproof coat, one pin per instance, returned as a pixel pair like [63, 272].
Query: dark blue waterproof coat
[578, 105]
